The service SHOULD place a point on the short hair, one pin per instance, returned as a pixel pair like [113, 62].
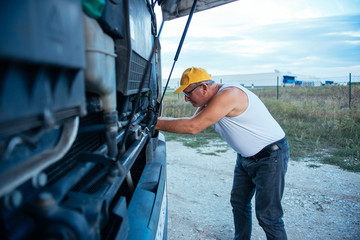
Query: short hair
[207, 82]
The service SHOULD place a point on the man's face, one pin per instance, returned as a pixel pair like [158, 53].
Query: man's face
[193, 95]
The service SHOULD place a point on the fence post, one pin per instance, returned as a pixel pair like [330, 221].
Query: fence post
[277, 88]
[349, 90]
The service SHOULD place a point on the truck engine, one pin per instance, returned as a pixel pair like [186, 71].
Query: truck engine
[79, 155]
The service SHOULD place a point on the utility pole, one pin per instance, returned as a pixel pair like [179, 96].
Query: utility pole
[277, 88]
[349, 90]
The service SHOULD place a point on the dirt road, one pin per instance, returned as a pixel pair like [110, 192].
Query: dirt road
[320, 201]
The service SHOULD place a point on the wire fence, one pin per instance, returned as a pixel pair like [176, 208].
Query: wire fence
[350, 81]
[274, 80]
[345, 79]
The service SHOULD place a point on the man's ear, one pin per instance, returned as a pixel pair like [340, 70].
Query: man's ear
[205, 89]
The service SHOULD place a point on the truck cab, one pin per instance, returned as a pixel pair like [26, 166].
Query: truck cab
[80, 93]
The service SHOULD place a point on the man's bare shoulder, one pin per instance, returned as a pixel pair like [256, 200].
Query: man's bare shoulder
[232, 91]
[236, 97]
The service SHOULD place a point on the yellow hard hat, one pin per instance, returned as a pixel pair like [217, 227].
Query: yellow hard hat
[192, 75]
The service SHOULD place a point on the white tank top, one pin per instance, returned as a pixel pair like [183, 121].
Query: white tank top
[252, 130]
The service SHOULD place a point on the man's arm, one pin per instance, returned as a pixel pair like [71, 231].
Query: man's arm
[176, 125]
[221, 104]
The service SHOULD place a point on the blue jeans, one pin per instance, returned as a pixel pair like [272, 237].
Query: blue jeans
[264, 177]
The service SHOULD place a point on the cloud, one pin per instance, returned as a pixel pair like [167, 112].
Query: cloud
[354, 42]
[248, 47]
[347, 34]
[238, 42]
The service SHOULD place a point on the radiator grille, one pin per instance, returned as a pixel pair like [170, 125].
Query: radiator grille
[136, 71]
[83, 143]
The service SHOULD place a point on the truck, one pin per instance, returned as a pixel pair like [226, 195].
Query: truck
[80, 93]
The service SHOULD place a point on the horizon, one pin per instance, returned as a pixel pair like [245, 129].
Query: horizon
[268, 79]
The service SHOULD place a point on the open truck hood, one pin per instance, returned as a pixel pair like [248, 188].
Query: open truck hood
[178, 8]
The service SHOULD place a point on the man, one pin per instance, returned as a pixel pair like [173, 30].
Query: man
[247, 126]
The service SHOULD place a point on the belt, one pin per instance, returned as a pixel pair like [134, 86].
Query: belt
[266, 151]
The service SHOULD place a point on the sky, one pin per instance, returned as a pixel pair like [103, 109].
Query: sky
[319, 38]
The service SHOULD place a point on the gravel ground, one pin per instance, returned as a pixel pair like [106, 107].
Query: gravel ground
[320, 202]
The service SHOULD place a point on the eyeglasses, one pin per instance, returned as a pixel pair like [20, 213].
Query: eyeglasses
[187, 94]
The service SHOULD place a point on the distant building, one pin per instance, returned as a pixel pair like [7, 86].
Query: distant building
[329, 82]
[257, 80]
[291, 80]
[270, 79]
[250, 80]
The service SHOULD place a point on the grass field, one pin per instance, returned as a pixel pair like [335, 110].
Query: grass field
[319, 124]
